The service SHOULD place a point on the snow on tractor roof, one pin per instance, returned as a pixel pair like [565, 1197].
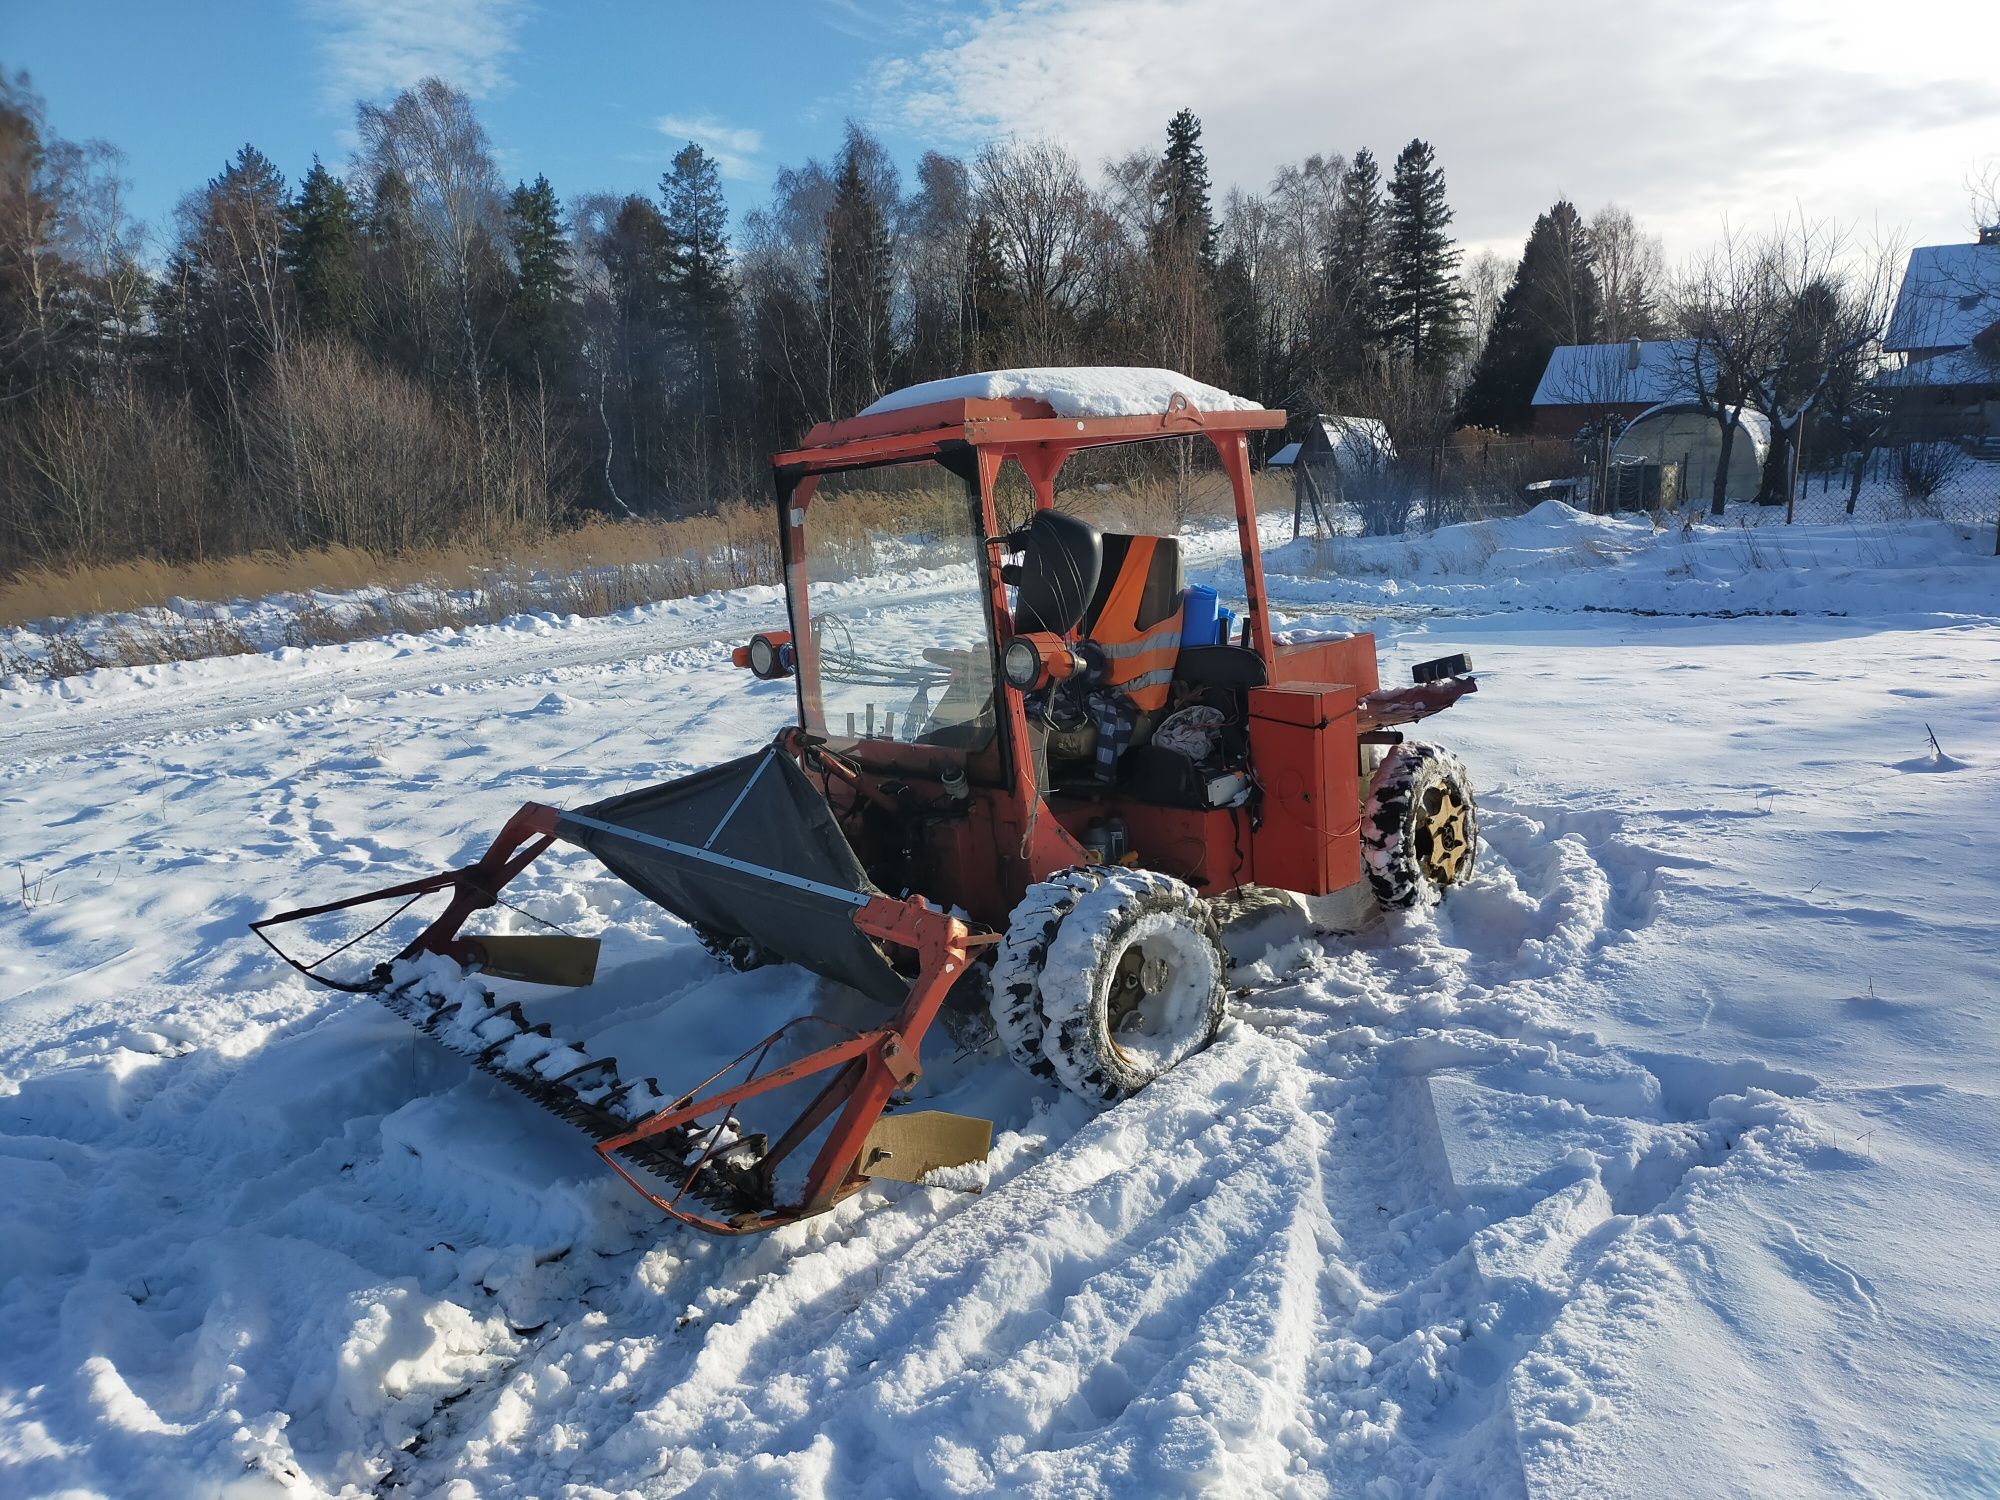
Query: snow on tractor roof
[1081, 391]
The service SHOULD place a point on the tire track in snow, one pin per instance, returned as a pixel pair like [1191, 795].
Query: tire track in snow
[1454, 1273]
[1261, 1275]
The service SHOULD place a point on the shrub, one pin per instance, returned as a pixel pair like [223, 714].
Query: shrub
[1924, 469]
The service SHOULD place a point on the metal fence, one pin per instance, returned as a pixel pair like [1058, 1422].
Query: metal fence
[1460, 481]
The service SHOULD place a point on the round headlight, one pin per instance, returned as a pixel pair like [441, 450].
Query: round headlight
[1021, 664]
[763, 656]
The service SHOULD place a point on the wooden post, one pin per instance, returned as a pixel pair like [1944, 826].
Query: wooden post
[1792, 473]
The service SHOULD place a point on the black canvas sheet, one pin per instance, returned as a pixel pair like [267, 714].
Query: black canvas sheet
[763, 812]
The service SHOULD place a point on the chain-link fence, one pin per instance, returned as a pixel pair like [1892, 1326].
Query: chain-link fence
[1392, 494]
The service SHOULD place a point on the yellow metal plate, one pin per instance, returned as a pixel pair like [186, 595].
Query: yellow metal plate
[540, 958]
[904, 1147]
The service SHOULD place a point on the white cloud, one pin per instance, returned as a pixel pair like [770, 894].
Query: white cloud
[1685, 112]
[375, 47]
[734, 147]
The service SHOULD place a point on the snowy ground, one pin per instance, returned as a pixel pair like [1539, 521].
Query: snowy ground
[1661, 1162]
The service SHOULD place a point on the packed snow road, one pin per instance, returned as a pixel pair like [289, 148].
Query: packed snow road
[180, 697]
[1659, 1162]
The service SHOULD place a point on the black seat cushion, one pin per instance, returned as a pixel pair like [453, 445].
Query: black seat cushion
[1220, 666]
[1152, 774]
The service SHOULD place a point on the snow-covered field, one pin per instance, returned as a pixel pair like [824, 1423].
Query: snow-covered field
[1660, 1162]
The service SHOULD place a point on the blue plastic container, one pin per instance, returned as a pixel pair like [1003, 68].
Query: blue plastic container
[1199, 622]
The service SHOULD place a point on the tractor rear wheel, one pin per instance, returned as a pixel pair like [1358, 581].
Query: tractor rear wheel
[1420, 829]
[1108, 978]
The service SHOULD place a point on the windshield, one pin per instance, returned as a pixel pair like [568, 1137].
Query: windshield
[895, 597]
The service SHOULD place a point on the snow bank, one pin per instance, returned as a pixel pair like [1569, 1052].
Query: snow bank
[1658, 1161]
[1089, 391]
[1558, 558]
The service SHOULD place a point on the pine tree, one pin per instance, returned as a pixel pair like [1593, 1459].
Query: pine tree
[543, 292]
[1347, 325]
[1553, 301]
[323, 253]
[1423, 306]
[1184, 228]
[855, 284]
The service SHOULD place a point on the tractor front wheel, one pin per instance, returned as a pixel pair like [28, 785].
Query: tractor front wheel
[1419, 831]
[1107, 978]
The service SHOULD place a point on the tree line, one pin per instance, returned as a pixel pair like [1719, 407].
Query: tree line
[406, 351]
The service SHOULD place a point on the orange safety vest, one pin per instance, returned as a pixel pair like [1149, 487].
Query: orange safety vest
[1138, 626]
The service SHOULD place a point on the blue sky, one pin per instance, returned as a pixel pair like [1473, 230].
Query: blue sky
[597, 95]
[1690, 112]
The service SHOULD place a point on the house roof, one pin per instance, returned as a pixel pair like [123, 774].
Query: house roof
[1353, 440]
[1949, 294]
[1965, 366]
[1284, 458]
[1639, 372]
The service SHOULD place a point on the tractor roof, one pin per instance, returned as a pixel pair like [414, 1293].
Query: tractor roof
[1072, 408]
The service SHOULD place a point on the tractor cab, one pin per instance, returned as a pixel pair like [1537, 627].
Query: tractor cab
[986, 695]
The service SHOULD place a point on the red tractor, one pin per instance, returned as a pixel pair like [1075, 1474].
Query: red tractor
[1031, 772]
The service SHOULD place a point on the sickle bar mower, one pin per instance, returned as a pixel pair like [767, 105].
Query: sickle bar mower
[685, 1154]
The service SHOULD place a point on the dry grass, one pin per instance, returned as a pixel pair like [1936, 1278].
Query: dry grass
[723, 550]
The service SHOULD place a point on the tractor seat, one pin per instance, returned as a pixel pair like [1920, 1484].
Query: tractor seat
[1147, 571]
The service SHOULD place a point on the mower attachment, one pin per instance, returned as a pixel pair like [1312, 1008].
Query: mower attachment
[749, 848]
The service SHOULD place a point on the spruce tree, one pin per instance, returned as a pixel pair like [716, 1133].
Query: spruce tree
[231, 308]
[543, 291]
[396, 292]
[855, 284]
[1553, 301]
[703, 306]
[1240, 302]
[1184, 229]
[638, 263]
[699, 276]
[1423, 306]
[989, 296]
[1347, 325]
[323, 254]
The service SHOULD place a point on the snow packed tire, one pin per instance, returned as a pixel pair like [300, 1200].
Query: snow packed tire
[1420, 829]
[1017, 969]
[738, 953]
[1134, 983]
